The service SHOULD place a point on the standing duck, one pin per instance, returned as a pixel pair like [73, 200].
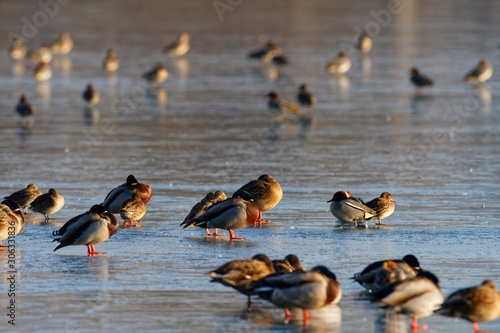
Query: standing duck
[156, 75]
[42, 72]
[481, 73]
[234, 213]
[111, 62]
[304, 290]
[340, 65]
[270, 53]
[417, 297]
[350, 210]
[90, 228]
[364, 43]
[381, 274]
[10, 216]
[133, 210]
[305, 97]
[475, 304]
[17, 49]
[240, 273]
[281, 107]
[208, 201]
[115, 199]
[63, 45]
[23, 108]
[419, 80]
[179, 48]
[48, 203]
[90, 95]
[41, 54]
[266, 192]
[383, 206]
[25, 196]
[287, 265]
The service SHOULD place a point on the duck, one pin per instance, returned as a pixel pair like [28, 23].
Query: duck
[41, 54]
[24, 108]
[475, 304]
[90, 95]
[156, 74]
[381, 274]
[90, 228]
[481, 73]
[383, 206]
[350, 210]
[305, 97]
[364, 43]
[180, 47]
[237, 212]
[305, 290]
[340, 65]
[42, 71]
[17, 49]
[269, 53]
[419, 80]
[11, 216]
[280, 107]
[133, 210]
[240, 273]
[63, 45]
[266, 192]
[111, 62]
[287, 265]
[48, 203]
[208, 201]
[116, 197]
[25, 196]
[417, 297]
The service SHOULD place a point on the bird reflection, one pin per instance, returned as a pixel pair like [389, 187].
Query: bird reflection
[391, 322]
[63, 63]
[419, 103]
[43, 90]
[91, 115]
[305, 124]
[366, 65]
[157, 95]
[484, 95]
[182, 66]
[18, 68]
[24, 132]
[342, 84]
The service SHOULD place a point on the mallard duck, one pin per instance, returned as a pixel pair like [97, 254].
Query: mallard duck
[340, 65]
[419, 80]
[481, 73]
[42, 72]
[90, 95]
[23, 108]
[270, 53]
[116, 197]
[476, 304]
[350, 210]
[180, 47]
[417, 297]
[234, 213]
[17, 49]
[304, 290]
[280, 107]
[240, 273]
[133, 210]
[63, 45]
[48, 203]
[156, 75]
[266, 192]
[381, 274]
[111, 62]
[208, 201]
[41, 54]
[90, 228]
[305, 97]
[383, 206]
[11, 216]
[25, 196]
[364, 42]
[287, 265]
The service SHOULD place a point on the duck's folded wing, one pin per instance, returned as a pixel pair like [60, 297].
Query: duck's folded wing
[216, 210]
[67, 225]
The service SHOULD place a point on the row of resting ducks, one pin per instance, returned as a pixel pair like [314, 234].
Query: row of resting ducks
[398, 285]
[214, 211]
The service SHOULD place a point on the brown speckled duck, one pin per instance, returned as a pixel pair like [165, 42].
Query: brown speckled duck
[383, 205]
[25, 196]
[133, 210]
[287, 265]
[48, 203]
[266, 192]
[208, 201]
[11, 216]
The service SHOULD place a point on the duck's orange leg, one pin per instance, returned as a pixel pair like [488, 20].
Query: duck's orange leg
[260, 220]
[231, 235]
[249, 303]
[415, 327]
[92, 251]
[477, 330]
[2, 245]
[215, 233]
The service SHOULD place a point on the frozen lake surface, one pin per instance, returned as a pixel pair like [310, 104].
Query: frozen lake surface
[207, 128]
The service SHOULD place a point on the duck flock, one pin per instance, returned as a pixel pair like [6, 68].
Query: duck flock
[397, 284]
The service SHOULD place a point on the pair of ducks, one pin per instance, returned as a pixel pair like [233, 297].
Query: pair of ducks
[281, 107]
[481, 73]
[285, 283]
[243, 209]
[349, 209]
[31, 197]
[402, 285]
[99, 223]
